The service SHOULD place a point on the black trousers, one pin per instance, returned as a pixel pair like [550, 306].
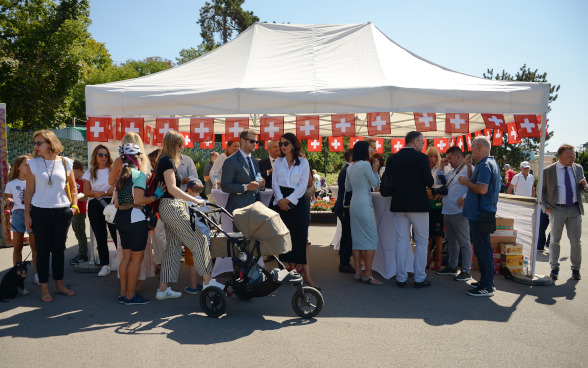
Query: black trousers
[99, 225]
[50, 226]
[297, 221]
[346, 243]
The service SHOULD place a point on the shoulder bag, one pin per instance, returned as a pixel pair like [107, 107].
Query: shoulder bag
[67, 188]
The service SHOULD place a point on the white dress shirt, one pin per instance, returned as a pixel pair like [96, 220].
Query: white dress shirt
[291, 177]
[247, 157]
[561, 184]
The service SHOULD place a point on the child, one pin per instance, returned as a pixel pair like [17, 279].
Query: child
[194, 189]
[14, 194]
[78, 223]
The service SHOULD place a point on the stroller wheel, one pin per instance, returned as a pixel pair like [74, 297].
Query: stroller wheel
[213, 302]
[308, 303]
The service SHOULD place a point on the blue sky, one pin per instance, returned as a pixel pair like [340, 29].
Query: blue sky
[466, 36]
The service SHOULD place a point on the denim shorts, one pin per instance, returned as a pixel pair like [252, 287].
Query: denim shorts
[17, 223]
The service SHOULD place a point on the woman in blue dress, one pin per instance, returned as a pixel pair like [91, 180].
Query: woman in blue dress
[361, 177]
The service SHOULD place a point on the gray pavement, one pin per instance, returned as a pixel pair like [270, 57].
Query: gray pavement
[360, 325]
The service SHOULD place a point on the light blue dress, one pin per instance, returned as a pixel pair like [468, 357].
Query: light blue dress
[360, 179]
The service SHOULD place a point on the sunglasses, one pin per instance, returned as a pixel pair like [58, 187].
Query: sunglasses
[38, 143]
[253, 141]
[285, 144]
[103, 155]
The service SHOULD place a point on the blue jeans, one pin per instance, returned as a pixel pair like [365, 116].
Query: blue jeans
[543, 223]
[483, 251]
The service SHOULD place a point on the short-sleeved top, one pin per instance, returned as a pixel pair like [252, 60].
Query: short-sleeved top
[16, 188]
[523, 186]
[508, 176]
[486, 172]
[165, 163]
[81, 204]
[100, 184]
[53, 196]
[126, 194]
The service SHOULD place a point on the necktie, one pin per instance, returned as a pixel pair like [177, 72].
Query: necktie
[251, 172]
[569, 192]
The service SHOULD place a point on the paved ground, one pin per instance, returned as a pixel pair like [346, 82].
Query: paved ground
[364, 325]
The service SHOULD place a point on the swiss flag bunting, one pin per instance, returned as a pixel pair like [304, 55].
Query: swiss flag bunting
[477, 133]
[343, 125]
[527, 126]
[539, 118]
[223, 141]
[202, 129]
[497, 137]
[271, 128]
[378, 123]
[307, 127]
[207, 145]
[442, 144]
[424, 150]
[234, 127]
[459, 142]
[97, 129]
[495, 121]
[513, 135]
[396, 144]
[379, 145]
[315, 145]
[488, 134]
[109, 129]
[452, 142]
[469, 141]
[352, 141]
[457, 123]
[118, 129]
[336, 144]
[425, 122]
[187, 141]
[148, 133]
[162, 126]
[136, 125]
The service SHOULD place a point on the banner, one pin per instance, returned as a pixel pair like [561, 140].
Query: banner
[234, 127]
[162, 126]
[343, 125]
[202, 129]
[379, 145]
[97, 129]
[497, 138]
[442, 144]
[495, 121]
[148, 134]
[187, 141]
[425, 122]
[513, 136]
[396, 144]
[378, 123]
[457, 123]
[315, 145]
[336, 144]
[527, 126]
[307, 127]
[271, 128]
[135, 125]
[352, 141]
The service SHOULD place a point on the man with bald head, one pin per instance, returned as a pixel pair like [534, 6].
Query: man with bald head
[479, 208]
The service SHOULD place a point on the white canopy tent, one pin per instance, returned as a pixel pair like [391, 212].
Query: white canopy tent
[289, 70]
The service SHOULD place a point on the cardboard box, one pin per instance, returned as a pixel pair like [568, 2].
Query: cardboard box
[512, 260]
[510, 232]
[515, 269]
[496, 240]
[513, 249]
[504, 223]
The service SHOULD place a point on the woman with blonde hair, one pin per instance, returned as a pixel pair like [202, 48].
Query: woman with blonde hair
[48, 210]
[435, 216]
[173, 211]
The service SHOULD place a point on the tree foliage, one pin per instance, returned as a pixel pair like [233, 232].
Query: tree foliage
[516, 153]
[43, 54]
[191, 53]
[220, 19]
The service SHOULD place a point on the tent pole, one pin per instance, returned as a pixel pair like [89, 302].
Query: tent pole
[539, 192]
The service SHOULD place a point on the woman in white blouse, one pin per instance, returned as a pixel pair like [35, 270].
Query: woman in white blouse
[289, 182]
[99, 193]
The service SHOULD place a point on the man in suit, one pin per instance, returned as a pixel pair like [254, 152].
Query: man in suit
[563, 183]
[239, 174]
[410, 172]
[267, 164]
[345, 245]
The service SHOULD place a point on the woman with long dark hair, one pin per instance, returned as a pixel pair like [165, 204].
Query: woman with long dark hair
[289, 182]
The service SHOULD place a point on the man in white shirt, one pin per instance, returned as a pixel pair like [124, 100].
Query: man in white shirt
[187, 170]
[522, 183]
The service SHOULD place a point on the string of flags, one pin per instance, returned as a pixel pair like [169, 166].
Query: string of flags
[101, 129]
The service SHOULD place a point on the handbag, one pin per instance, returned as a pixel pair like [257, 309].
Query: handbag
[150, 216]
[67, 188]
[109, 212]
[486, 222]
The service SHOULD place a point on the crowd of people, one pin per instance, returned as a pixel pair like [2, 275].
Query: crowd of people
[432, 198]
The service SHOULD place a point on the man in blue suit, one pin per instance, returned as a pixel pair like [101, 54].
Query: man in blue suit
[239, 174]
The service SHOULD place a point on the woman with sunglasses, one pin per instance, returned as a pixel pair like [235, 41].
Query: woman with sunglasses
[289, 182]
[99, 194]
[48, 210]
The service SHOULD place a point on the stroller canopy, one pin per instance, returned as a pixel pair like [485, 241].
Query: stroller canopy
[258, 222]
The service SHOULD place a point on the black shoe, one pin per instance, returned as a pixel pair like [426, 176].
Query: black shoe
[401, 284]
[77, 260]
[346, 269]
[480, 292]
[576, 275]
[422, 284]
[554, 273]
[447, 271]
[476, 285]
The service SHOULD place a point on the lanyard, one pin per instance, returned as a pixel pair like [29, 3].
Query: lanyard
[458, 170]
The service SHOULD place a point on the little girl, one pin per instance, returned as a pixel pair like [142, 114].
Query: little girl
[14, 194]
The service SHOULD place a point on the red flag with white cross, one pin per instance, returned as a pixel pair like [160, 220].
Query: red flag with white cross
[396, 144]
[452, 142]
[379, 145]
[477, 133]
[353, 140]
[425, 122]
[497, 137]
[336, 144]
[135, 125]
[343, 125]
[118, 129]
[469, 141]
[207, 144]
[495, 121]
[315, 145]
[162, 126]
[378, 123]
[459, 142]
[307, 127]
[513, 135]
[442, 144]
[97, 129]
[271, 128]
[234, 127]
[527, 126]
[148, 134]
[187, 141]
[457, 123]
[202, 129]
[488, 134]
[424, 150]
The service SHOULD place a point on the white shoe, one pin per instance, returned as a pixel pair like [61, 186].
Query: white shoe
[169, 293]
[213, 282]
[36, 280]
[104, 271]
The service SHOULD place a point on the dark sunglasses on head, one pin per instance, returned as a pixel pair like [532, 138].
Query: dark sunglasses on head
[104, 155]
[285, 144]
[38, 143]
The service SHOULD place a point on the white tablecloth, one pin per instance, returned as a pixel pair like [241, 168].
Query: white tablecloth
[385, 258]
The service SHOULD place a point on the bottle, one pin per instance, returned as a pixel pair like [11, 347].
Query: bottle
[526, 269]
[214, 180]
[258, 179]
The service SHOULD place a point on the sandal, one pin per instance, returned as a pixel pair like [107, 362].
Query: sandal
[66, 292]
[372, 281]
[357, 278]
[46, 298]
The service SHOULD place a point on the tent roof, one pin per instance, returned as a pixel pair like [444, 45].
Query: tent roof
[282, 69]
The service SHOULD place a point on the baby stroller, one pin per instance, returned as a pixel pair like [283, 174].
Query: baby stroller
[262, 234]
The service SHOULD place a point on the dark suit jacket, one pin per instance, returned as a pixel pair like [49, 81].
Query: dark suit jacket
[338, 208]
[265, 165]
[549, 190]
[410, 172]
[235, 179]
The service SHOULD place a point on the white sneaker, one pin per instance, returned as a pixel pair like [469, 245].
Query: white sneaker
[169, 293]
[36, 280]
[104, 271]
[213, 282]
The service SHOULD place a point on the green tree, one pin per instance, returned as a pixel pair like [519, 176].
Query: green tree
[191, 54]
[41, 59]
[220, 19]
[515, 153]
[149, 65]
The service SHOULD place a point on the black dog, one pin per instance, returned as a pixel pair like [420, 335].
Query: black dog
[13, 281]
